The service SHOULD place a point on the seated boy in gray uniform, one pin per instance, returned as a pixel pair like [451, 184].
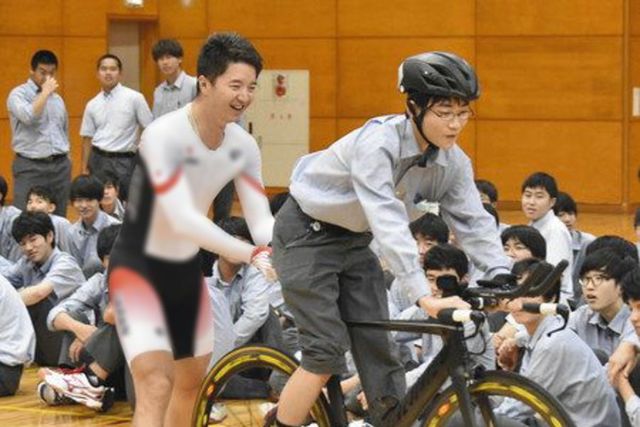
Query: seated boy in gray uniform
[9, 249]
[85, 194]
[42, 199]
[44, 276]
[95, 348]
[17, 338]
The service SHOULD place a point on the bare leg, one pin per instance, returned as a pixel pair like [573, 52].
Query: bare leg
[189, 374]
[298, 396]
[153, 374]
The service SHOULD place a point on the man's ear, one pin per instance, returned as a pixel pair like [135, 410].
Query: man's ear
[52, 208]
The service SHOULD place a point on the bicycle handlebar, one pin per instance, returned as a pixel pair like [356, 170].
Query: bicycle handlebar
[549, 309]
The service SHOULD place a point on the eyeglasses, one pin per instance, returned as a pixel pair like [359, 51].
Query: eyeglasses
[596, 280]
[448, 116]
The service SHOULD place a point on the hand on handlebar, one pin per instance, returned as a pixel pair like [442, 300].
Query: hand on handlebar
[432, 305]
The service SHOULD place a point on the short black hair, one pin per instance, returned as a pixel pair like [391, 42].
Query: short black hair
[222, 49]
[528, 236]
[609, 262]
[526, 266]
[106, 238]
[44, 57]
[541, 180]
[430, 226]
[622, 246]
[109, 56]
[444, 256]
[112, 179]
[30, 223]
[487, 187]
[235, 226]
[565, 203]
[4, 189]
[277, 200]
[86, 187]
[44, 192]
[631, 285]
[169, 47]
[494, 213]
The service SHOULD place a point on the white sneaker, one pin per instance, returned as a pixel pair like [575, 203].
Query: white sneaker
[218, 413]
[48, 395]
[77, 387]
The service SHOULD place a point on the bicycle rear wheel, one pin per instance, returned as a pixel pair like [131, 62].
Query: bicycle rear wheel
[491, 388]
[238, 366]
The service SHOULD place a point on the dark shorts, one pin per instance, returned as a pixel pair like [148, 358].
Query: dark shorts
[160, 305]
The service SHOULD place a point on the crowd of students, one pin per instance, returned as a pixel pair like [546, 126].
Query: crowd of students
[54, 298]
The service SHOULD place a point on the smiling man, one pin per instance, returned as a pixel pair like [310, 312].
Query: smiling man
[163, 312]
[366, 185]
[111, 124]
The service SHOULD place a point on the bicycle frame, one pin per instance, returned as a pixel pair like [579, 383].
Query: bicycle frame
[451, 362]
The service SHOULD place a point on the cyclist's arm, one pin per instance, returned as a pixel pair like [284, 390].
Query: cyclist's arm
[173, 194]
[253, 199]
[473, 227]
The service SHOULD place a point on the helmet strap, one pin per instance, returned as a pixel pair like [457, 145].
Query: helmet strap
[431, 149]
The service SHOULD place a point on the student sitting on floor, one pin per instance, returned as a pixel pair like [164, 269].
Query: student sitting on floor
[44, 276]
[562, 364]
[9, 248]
[95, 348]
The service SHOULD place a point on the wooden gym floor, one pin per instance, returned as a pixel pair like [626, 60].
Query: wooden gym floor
[26, 410]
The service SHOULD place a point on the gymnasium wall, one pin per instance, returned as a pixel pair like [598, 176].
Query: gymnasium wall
[556, 75]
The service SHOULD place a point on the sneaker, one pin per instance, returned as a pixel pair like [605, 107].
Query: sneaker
[218, 413]
[48, 395]
[76, 386]
[43, 372]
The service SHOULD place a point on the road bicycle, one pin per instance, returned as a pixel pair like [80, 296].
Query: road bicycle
[470, 398]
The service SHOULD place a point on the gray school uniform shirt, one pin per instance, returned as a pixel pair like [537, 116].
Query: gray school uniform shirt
[91, 296]
[60, 269]
[365, 181]
[170, 97]
[567, 368]
[40, 136]
[9, 248]
[597, 332]
[17, 337]
[83, 243]
[248, 300]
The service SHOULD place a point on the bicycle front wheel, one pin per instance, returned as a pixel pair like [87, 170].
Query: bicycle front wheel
[256, 369]
[488, 391]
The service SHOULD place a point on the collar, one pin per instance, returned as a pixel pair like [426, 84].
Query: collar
[548, 323]
[541, 222]
[216, 274]
[411, 149]
[98, 224]
[178, 83]
[33, 86]
[44, 268]
[616, 324]
[113, 92]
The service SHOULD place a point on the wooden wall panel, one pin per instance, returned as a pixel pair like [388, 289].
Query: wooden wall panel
[284, 18]
[82, 18]
[6, 154]
[316, 55]
[509, 151]
[550, 17]
[175, 19]
[31, 17]
[406, 18]
[322, 133]
[634, 64]
[191, 47]
[634, 162]
[20, 50]
[550, 78]
[80, 78]
[368, 71]
[634, 17]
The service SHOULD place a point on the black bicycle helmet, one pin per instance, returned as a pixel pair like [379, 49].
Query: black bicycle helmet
[441, 74]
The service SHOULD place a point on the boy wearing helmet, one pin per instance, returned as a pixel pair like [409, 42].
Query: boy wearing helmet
[363, 187]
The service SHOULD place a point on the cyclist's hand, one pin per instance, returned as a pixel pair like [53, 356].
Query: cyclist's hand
[261, 259]
[622, 361]
[433, 305]
[508, 354]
